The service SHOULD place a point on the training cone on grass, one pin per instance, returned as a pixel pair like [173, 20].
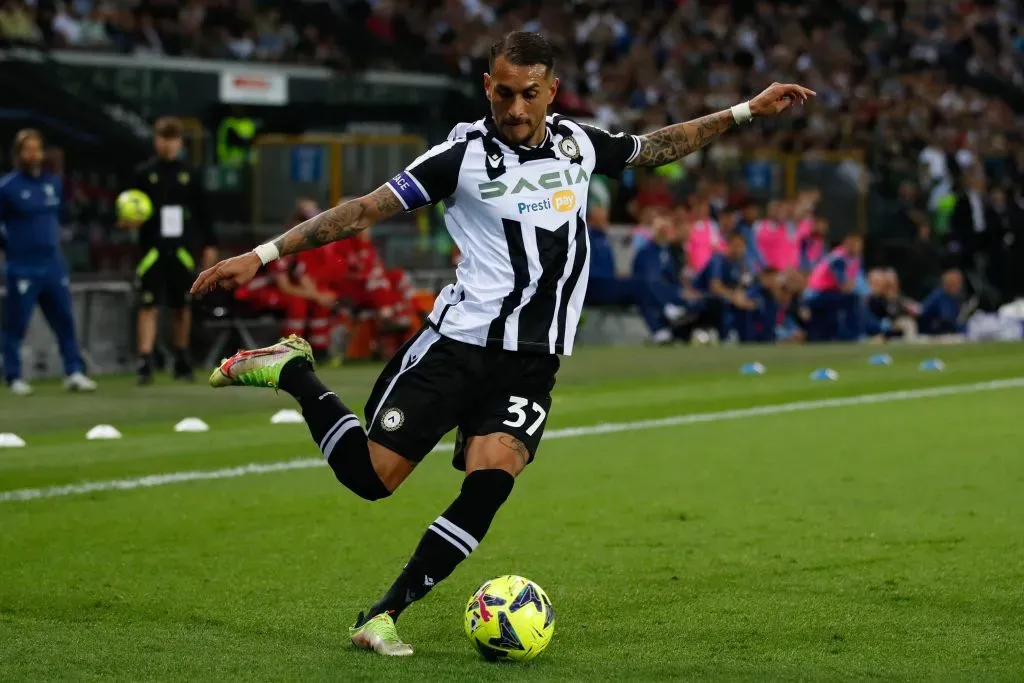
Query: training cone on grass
[103, 432]
[9, 440]
[932, 365]
[825, 375]
[880, 359]
[752, 369]
[286, 416]
[191, 424]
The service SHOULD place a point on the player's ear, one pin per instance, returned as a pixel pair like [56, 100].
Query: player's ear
[487, 85]
[553, 90]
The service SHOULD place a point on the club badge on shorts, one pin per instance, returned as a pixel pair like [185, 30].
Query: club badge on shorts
[392, 419]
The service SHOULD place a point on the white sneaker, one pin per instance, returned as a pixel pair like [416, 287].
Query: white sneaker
[79, 382]
[662, 337]
[20, 387]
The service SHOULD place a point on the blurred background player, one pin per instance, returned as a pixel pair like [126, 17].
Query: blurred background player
[725, 283]
[657, 274]
[833, 306]
[378, 297]
[607, 288]
[166, 244]
[940, 311]
[286, 286]
[30, 213]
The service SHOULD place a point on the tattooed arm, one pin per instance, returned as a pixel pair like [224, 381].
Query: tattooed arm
[672, 143]
[345, 220]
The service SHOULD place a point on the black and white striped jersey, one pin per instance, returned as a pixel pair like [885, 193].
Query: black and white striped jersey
[517, 217]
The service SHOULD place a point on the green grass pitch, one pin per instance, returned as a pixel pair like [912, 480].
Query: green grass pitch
[867, 541]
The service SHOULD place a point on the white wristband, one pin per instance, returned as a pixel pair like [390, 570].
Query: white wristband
[267, 252]
[741, 113]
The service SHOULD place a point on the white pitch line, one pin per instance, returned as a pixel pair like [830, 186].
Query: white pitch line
[564, 433]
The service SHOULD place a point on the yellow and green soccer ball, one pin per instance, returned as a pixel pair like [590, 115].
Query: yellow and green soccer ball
[134, 205]
[510, 618]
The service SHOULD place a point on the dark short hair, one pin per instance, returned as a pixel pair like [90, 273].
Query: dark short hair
[19, 140]
[168, 127]
[523, 48]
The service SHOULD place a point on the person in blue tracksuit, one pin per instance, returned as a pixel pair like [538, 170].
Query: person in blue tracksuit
[657, 274]
[940, 311]
[30, 211]
[605, 287]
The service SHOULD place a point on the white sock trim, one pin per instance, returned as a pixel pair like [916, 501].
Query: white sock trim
[459, 533]
[335, 433]
[443, 534]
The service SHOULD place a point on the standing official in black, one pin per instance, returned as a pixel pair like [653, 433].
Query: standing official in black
[168, 241]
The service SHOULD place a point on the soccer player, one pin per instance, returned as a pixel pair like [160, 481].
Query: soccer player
[30, 212]
[515, 186]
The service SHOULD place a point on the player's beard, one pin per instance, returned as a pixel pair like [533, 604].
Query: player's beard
[514, 135]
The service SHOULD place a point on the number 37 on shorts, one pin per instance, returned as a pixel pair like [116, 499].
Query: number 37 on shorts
[525, 413]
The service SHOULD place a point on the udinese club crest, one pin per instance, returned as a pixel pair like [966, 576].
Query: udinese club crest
[392, 419]
[569, 147]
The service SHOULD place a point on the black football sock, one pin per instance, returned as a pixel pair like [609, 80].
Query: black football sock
[449, 540]
[334, 428]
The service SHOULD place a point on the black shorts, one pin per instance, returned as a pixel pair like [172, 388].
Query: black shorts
[435, 384]
[164, 277]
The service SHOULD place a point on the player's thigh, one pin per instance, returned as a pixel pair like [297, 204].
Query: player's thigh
[418, 397]
[509, 414]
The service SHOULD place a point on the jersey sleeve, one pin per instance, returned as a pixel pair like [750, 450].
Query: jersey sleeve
[613, 151]
[431, 177]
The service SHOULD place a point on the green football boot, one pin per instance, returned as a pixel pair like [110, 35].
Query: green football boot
[260, 367]
[379, 635]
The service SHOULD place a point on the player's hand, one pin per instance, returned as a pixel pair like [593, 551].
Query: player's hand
[778, 97]
[744, 303]
[227, 274]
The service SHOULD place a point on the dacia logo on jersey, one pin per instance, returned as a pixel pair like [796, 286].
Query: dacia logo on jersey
[563, 200]
[552, 180]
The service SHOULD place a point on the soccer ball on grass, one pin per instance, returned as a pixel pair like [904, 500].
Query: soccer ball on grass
[134, 206]
[510, 618]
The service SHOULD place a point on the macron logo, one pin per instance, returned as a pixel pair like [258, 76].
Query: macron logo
[494, 161]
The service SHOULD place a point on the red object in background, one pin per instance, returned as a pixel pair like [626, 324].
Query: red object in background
[658, 197]
[380, 28]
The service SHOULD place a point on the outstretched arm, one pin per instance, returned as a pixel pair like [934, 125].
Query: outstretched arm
[345, 220]
[674, 142]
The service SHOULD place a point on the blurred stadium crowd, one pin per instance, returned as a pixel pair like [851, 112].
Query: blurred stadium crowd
[923, 98]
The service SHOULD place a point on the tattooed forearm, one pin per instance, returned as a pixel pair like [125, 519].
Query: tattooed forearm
[345, 220]
[675, 142]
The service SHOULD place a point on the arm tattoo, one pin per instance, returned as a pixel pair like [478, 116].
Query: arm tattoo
[671, 143]
[343, 221]
[511, 442]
